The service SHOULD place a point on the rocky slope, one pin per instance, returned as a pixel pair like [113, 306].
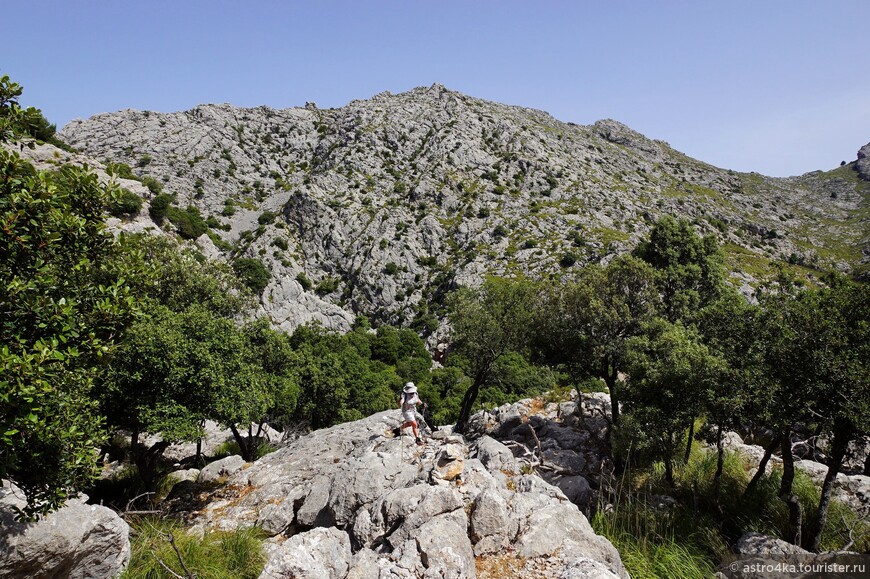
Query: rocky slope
[379, 206]
[354, 501]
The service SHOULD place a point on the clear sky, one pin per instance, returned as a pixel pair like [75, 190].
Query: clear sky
[774, 86]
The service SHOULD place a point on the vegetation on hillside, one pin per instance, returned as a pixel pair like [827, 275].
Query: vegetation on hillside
[101, 335]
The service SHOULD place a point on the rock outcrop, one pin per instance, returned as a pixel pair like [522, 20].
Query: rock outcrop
[77, 540]
[380, 206]
[356, 501]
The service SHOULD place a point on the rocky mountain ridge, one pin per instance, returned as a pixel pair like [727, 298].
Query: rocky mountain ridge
[382, 205]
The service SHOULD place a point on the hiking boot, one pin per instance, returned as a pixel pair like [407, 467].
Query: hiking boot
[420, 442]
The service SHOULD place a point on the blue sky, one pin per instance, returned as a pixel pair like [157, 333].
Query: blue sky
[778, 87]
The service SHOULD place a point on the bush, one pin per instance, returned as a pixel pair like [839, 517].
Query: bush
[280, 243]
[327, 285]
[159, 207]
[121, 170]
[267, 217]
[391, 268]
[500, 230]
[253, 273]
[188, 222]
[304, 281]
[126, 203]
[143, 161]
[155, 186]
[568, 259]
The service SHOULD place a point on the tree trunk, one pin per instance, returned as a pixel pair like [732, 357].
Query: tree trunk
[720, 463]
[610, 376]
[838, 452]
[146, 463]
[689, 440]
[468, 401]
[243, 446]
[785, 490]
[134, 441]
[762, 467]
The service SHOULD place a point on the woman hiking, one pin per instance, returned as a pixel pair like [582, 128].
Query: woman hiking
[408, 403]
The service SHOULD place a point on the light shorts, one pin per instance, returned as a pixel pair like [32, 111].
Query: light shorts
[409, 416]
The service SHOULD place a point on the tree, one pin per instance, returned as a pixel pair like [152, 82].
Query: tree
[63, 308]
[689, 267]
[730, 328]
[818, 344]
[669, 371]
[486, 324]
[586, 324]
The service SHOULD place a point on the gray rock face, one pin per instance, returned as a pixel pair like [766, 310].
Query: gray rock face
[78, 540]
[356, 501]
[322, 553]
[863, 163]
[384, 203]
[220, 468]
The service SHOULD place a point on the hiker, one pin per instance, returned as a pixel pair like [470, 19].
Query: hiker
[408, 403]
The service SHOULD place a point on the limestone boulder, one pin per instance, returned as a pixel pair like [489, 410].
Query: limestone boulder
[77, 540]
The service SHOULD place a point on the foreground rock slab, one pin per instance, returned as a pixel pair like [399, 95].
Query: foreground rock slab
[78, 540]
[356, 501]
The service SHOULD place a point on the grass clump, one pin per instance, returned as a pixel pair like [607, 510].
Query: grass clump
[231, 447]
[219, 555]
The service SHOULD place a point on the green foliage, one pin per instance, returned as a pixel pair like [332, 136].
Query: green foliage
[16, 122]
[267, 217]
[155, 186]
[689, 267]
[327, 286]
[339, 380]
[487, 324]
[669, 369]
[64, 306]
[188, 222]
[304, 281]
[253, 273]
[391, 268]
[218, 555]
[121, 170]
[125, 203]
[568, 259]
[159, 207]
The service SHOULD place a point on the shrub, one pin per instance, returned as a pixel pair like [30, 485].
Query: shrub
[121, 170]
[568, 259]
[304, 281]
[253, 273]
[155, 186]
[327, 285]
[159, 207]
[188, 222]
[126, 203]
[500, 230]
[280, 243]
[391, 268]
[483, 212]
[267, 217]
[144, 161]
[530, 244]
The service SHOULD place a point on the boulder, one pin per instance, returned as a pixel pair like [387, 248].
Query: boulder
[445, 550]
[490, 523]
[221, 468]
[322, 553]
[495, 456]
[77, 540]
